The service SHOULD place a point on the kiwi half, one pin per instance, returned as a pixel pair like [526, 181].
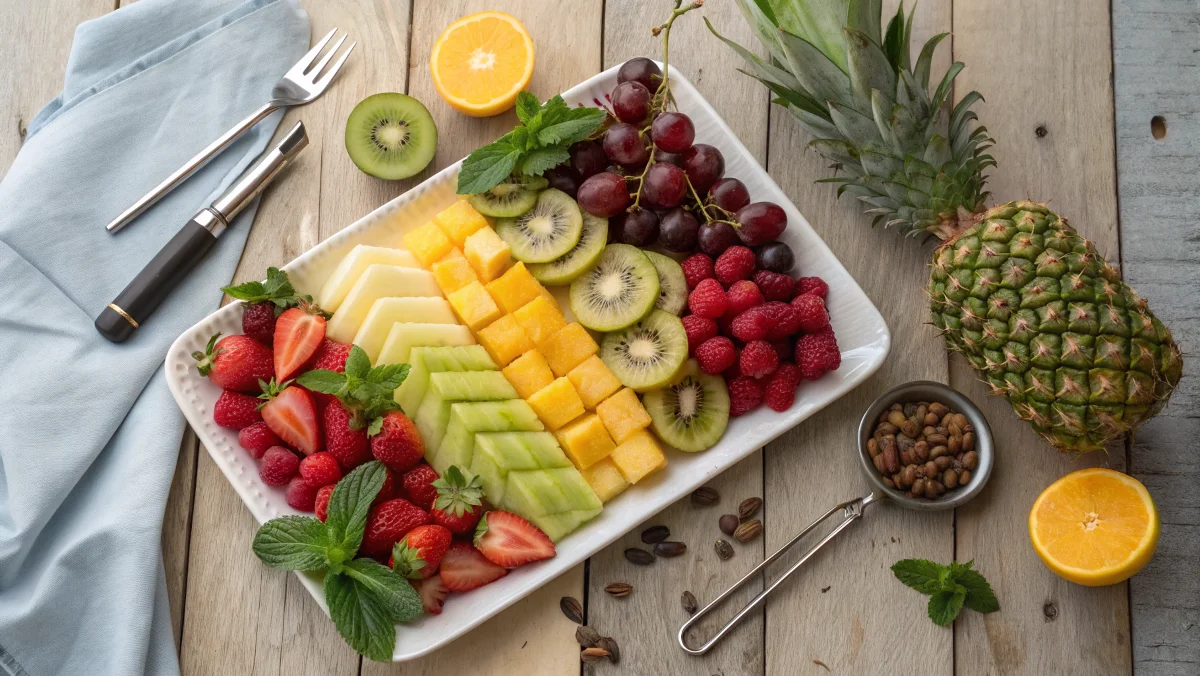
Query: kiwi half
[649, 354]
[673, 291]
[391, 136]
[545, 232]
[564, 269]
[509, 199]
[691, 413]
[617, 291]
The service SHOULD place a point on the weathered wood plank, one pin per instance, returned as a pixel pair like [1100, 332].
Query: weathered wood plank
[1155, 74]
[1055, 145]
[177, 530]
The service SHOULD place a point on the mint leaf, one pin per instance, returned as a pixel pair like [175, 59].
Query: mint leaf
[487, 167]
[577, 124]
[292, 543]
[346, 516]
[944, 606]
[360, 617]
[527, 107]
[325, 382]
[522, 138]
[388, 376]
[393, 592]
[554, 110]
[358, 364]
[540, 160]
[375, 427]
[980, 596]
[277, 288]
[923, 575]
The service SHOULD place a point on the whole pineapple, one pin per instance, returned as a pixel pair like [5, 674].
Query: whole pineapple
[1042, 316]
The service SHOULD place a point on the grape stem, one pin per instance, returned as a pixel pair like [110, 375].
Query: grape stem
[663, 93]
[705, 207]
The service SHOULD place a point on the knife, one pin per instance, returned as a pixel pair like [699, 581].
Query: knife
[133, 306]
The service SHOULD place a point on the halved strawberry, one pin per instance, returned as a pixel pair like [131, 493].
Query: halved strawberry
[433, 594]
[290, 413]
[298, 333]
[510, 541]
[464, 568]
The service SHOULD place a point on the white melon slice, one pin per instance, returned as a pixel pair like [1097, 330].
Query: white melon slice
[352, 267]
[403, 337]
[386, 312]
[378, 281]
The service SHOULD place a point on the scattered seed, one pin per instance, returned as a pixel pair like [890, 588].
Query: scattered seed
[821, 664]
[825, 589]
[618, 589]
[748, 531]
[705, 496]
[571, 607]
[639, 557]
[729, 523]
[669, 550]
[614, 653]
[655, 534]
[724, 550]
[749, 508]
[593, 654]
[586, 636]
[689, 603]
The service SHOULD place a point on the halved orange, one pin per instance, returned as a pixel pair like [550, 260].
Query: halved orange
[480, 63]
[1094, 527]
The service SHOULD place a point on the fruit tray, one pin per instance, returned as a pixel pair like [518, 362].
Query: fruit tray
[861, 333]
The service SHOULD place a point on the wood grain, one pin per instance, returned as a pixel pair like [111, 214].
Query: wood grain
[1055, 145]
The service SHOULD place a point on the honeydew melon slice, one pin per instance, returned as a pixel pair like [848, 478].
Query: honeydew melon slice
[447, 388]
[403, 337]
[377, 281]
[351, 268]
[558, 526]
[467, 418]
[579, 494]
[387, 313]
[498, 453]
[425, 360]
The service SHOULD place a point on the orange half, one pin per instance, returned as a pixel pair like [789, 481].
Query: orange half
[1094, 527]
[480, 63]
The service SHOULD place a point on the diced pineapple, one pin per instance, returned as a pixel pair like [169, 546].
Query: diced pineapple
[540, 318]
[474, 306]
[460, 221]
[605, 479]
[623, 415]
[453, 272]
[556, 404]
[568, 347]
[586, 441]
[351, 268]
[593, 381]
[489, 254]
[638, 456]
[529, 373]
[428, 243]
[504, 340]
[403, 337]
[514, 288]
[387, 313]
[378, 281]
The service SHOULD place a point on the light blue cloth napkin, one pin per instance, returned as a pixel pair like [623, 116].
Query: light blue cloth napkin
[89, 433]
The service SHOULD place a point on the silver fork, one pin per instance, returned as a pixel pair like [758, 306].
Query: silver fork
[302, 84]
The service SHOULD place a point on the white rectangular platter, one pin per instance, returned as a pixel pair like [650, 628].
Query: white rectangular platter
[861, 333]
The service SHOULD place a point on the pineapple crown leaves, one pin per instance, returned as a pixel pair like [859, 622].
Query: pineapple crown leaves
[851, 84]
[206, 359]
[276, 289]
[367, 391]
[407, 560]
[456, 495]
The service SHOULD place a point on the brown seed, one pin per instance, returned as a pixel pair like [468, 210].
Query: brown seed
[954, 445]
[918, 486]
[910, 409]
[930, 469]
[964, 477]
[896, 407]
[888, 482]
[910, 427]
[934, 489]
[880, 466]
[907, 457]
[922, 409]
[953, 427]
[729, 523]
[618, 589]
[749, 508]
[655, 534]
[968, 442]
[891, 457]
[904, 442]
[950, 478]
[586, 637]
[748, 531]
[689, 602]
[937, 451]
[970, 459]
[936, 439]
[960, 420]
[921, 450]
[896, 418]
[872, 447]
[930, 419]
[614, 653]
[908, 475]
[593, 654]
[669, 550]
[942, 461]
[639, 557]
[886, 428]
[724, 550]
[571, 607]
[939, 409]
[705, 496]
[927, 431]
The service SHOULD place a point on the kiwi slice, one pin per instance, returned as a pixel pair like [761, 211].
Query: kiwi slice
[691, 413]
[673, 291]
[564, 269]
[545, 232]
[649, 354]
[391, 136]
[617, 291]
[509, 199]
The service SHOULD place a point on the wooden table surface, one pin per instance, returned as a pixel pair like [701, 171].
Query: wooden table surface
[1071, 88]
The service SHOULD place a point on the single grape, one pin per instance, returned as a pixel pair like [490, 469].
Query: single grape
[715, 237]
[638, 227]
[603, 195]
[704, 164]
[643, 70]
[729, 193]
[776, 257]
[673, 132]
[631, 102]
[665, 186]
[678, 231]
[563, 178]
[588, 159]
[623, 145]
[661, 155]
[760, 222]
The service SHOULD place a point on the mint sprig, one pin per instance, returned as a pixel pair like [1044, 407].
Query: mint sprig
[277, 289]
[368, 391]
[539, 143]
[365, 598]
[949, 587]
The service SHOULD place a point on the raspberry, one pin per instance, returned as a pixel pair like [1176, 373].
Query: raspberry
[258, 322]
[708, 299]
[784, 348]
[785, 321]
[753, 324]
[745, 394]
[810, 313]
[758, 359]
[418, 486]
[236, 410]
[813, 286]
[699, 329]
[696, 267]
[300, 495]
[278, 466]
[257, 438]
[774, 285]
[725, 325]
[320, 469]
[817, 353]
[716, 355]
[321, 505]
[780, 392]
[743, 295]
[737, 263]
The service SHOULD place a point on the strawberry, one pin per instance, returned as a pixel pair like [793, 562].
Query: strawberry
[418, 486]
[388, 490]
[464, 568]
[236, 411]
[398, 445]
[459, 502]
[321, 506]
[298, 333]
[262, 300]
[418, 555]
[508, 540]
[290, 413]
[387, 523]
[348, 445]
[235, 363]
[330, 356]
[257, 438]
[320, 469]
[433, 594]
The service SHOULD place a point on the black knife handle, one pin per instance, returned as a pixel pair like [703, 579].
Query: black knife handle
[147, 291]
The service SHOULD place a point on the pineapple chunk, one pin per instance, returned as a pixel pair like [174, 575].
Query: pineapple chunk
[504, 340]
[460, 221]
[514, 288]
[529, 373]
[556, 404]
[388, 313]
[568, 347]
[586, 441]
[638, 456]
[376, 282]
[593, 381]
[428, 243]
[489, 254]
[453, 272]
[623, 415]
[605, 479]
[540, 318]
[474, 306]
[351, 268]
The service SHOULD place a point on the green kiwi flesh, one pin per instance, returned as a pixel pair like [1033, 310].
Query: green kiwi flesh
[510, 198]
[618, 290]
[691, 413]
[673, 291]
[567, 267]
[648, 354]
[545, 232]
[391, 136]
